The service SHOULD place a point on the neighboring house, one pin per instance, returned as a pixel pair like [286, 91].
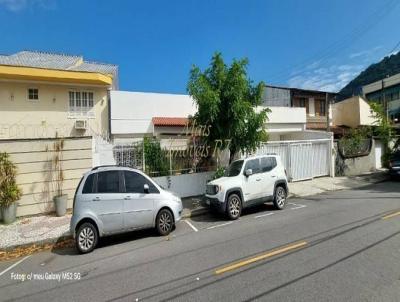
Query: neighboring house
[42, 94]
[386, 90]
[314, 102]
[135, 115]
[138, 114]
[352, 112]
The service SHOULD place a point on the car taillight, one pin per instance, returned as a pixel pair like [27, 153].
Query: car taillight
[285, 172]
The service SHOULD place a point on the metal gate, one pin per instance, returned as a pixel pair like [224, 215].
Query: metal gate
[302, 159]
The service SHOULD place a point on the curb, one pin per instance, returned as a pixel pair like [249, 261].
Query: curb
[197, 212]
[43, 242]
[19, 250]
[16, 251]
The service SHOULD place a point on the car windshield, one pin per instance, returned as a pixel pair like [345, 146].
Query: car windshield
[234, 168]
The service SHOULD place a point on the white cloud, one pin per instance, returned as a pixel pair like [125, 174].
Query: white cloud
[365, 53]
[19, 5]
[331, 78]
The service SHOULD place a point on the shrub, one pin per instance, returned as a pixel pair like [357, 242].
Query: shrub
[9, 190]
[219, 173]
[155, 158]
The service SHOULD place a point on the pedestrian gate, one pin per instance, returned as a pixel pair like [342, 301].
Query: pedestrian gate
[301, 159]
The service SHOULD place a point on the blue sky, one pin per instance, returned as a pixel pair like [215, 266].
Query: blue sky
[309, 44]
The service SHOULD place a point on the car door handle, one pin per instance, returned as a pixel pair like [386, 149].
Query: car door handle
[273, 176]
[127, 198]
[96, 198]
[258, 179]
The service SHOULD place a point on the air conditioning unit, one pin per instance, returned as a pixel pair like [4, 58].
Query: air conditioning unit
[81, 124]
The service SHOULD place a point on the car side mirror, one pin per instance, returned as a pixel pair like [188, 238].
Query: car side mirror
[146, 188]
[248, 172]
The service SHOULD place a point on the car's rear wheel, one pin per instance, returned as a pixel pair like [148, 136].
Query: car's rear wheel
[164, 222]
[280, 197]
[234, 206]
[86, 238]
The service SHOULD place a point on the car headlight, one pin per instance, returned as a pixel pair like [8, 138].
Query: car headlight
[217, 189]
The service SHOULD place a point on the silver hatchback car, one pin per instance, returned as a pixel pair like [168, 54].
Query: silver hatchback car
[111, 200]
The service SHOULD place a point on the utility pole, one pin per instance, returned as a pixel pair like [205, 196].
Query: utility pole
[386, 108]
[383, 96]
[385, 104]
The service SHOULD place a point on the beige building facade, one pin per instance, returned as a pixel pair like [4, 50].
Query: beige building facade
[352, 112]
[42, 94]
[67, 109]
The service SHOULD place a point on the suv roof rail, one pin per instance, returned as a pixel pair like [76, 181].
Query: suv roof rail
[104, 166]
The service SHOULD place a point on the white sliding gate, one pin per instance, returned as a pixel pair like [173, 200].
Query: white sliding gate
[302, 159]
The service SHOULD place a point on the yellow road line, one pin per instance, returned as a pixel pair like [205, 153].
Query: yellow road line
[391, 215]
[260, 257]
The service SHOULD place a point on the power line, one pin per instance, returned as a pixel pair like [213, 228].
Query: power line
[343, 43]
[394, 48]
[351, 37]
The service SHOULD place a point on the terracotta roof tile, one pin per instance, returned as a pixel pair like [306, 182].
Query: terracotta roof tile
[170, 121]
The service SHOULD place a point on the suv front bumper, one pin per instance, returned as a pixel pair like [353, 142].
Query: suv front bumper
[214, 203]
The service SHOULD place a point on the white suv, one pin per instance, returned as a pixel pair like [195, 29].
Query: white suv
[249, 182]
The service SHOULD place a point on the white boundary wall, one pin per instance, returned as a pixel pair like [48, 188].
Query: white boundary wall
[186, 185]
[303, 159]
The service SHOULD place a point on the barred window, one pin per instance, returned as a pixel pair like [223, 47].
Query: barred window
[81, 104]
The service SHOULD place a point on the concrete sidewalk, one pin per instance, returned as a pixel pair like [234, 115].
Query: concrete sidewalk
[47, 230]
[324, 184]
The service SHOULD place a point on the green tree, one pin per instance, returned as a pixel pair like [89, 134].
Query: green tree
[383, 128]
[226, 100]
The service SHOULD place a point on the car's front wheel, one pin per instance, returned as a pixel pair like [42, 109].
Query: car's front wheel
[86, 238]
[280, 197]
[164, 222]
[234, 206]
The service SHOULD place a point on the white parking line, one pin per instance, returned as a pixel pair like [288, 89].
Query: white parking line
[191, 225]
[298, 206]
[219, 225]
[14, 265]
[263, 215]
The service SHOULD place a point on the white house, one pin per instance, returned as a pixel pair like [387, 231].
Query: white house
[138, 114]
[134, 115]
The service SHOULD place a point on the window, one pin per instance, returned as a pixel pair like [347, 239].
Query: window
[88, 187]
[108, 182]
[134, 183]
[234, 168]
[321, 107]
[254, 165]
[33, 94]
[301, 102]
[81, 104]
[268, 163]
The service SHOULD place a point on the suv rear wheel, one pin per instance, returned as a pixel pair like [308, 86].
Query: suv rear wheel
[280, 197]
[234, 206]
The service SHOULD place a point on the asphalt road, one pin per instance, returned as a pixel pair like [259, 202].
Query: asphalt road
[341, 246]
